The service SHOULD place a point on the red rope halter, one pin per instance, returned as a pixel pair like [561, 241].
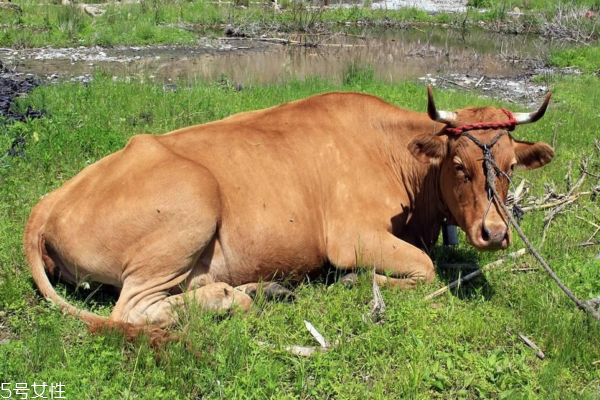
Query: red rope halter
[508, 125]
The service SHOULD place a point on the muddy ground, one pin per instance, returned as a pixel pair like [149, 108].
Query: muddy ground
[500, 66]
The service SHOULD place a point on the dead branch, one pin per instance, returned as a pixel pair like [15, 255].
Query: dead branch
[550, 217]
[555, 133]
[378, 306]
[539, 353]
[525, 269]
[589, 222]
[458, 282]
[313, 331]
[302, 351]
[563, 200]
[305, 351]
[377, 303]
[595, 302]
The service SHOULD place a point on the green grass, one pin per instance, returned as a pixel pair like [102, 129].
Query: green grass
[182, 21]
[466, 348]
[587, 58]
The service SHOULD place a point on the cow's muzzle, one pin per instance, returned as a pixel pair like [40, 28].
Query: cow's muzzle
[490, 236]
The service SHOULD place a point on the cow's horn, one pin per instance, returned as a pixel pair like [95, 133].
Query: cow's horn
[447, 117]
[527, 118]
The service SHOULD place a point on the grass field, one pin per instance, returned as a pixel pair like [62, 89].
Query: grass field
[464, 345]
[44, 23]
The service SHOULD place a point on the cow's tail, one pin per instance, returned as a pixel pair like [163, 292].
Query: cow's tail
[35, 251]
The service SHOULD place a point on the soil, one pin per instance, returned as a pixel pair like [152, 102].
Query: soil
[13, 85]
[437, 55]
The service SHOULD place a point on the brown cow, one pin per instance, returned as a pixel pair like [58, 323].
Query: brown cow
[344, 178]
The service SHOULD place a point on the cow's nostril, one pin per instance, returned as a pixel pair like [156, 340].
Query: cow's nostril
[485, 234]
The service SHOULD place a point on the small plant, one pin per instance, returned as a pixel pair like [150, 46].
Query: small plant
[479, 3]
[69, 21]
[358, 73]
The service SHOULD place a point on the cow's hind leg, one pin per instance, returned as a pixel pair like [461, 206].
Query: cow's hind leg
[215, 297]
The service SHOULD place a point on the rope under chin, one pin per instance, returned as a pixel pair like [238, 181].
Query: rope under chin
[492, 171]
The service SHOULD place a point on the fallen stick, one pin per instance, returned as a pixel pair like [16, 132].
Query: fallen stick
[302, 351]
[529, 269]
[556, 203]
[550, 217]
[539, 354]
[511, 256]
[305, 351]
[377, 303]
[313, 331]
[555, 133]
[595, 302]
[589, 222]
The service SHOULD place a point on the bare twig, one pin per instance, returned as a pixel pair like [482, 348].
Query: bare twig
[302, 351]
[526, 269]
[555, 133]
[474, 274]
[550, 217]
[595, 302]
[539, 353]
[313, 331]
[585, 244]
[563, 200]
[378, 306]
[589, 222]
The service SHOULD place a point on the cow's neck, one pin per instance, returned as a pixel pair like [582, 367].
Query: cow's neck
[420, 220]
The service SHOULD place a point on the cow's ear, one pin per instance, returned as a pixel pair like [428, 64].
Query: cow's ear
[427, 147]
[532, 155]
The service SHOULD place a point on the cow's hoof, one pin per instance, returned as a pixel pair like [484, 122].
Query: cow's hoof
[275, 291]
[349, 280]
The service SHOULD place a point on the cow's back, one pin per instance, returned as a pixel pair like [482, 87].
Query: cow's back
[288, 172]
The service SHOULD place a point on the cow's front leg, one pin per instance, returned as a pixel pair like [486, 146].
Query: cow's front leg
[397, 263]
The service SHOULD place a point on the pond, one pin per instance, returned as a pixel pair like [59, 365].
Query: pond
[395, 55]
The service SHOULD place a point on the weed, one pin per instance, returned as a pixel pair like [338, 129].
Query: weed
[357, 74]
[70, 21]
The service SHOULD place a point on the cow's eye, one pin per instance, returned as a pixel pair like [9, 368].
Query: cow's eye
[459, 167]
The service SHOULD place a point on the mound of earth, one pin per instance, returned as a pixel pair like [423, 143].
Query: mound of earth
[13, 85]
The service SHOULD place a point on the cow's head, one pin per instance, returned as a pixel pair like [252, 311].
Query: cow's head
[460, 159]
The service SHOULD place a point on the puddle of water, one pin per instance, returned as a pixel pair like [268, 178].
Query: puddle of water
[396, 55]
